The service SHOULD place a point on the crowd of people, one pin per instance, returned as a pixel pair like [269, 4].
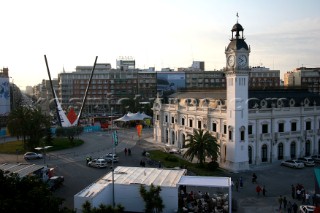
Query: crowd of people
[299, 196]
[202, 201]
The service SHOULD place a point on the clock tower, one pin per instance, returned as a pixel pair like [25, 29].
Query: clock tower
[234, 150]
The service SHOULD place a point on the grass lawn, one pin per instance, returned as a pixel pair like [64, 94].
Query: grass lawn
[58, 144]
[171, 161]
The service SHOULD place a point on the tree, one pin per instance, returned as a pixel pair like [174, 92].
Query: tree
[27, 194]
[87, 208]
[29, 124]
[152, 199]
[48, 137]
[201, 145]
[69, 132]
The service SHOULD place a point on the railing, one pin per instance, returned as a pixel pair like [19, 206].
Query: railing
[285, 135]
[251, 136]
[309, 132]
[215, 134]
[265, 136]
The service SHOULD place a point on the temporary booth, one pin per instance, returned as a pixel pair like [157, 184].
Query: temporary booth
[219, 187]
[127, 181]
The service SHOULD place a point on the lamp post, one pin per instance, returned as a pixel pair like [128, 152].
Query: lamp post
[113, 152]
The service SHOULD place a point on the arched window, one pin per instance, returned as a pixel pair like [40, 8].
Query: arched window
[183, 140]
[167, 135]
[250, 154]
[242, 129]
[293, 150]
[280, 151]
[172, 137]
[264, 151]
[308, 148]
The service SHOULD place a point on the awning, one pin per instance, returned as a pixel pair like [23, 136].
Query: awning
[205, 181]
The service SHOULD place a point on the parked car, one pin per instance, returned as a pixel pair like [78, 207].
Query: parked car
[110, 156]
[316, 158]
[98, 163]
[306, 209]
[172, 149]
[308, 161]
[293, 164]
[55, 182]
[32, 155]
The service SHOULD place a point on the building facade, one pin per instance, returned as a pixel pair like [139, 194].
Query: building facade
[252, 126]
[304, 77]
[108, 86]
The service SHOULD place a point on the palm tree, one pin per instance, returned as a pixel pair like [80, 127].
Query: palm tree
[201, 145]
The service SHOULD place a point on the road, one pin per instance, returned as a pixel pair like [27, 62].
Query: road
[72, 165]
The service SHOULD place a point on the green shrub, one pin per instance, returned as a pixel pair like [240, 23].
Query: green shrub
[171, 158]
[212, 165]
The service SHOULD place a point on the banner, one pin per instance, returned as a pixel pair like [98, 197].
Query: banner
[139, 130]
[5, 96]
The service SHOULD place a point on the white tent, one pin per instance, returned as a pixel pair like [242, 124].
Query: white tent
[133, 117]
[145, 116]
[124, 118]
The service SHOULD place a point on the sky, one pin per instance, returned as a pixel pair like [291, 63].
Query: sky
[282, 34]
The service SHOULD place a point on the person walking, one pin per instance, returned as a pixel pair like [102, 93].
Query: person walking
[289, 207]
[295, 207]
[293, 191]
[237, 185]
[280, 200]
[258, 190]
[241, 182]
[264, 191]
[125, 151]
[284, 201]
[254, 178]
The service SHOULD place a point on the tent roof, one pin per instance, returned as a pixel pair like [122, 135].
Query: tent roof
[124, 118]
[133, 117]
[124, 175]
[205, 181]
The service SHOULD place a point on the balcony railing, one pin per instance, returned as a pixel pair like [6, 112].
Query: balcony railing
[265, 136]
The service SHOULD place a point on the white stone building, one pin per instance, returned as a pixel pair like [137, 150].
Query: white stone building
[253, 127]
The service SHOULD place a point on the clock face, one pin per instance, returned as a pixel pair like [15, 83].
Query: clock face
[242, 60]
[231, 60]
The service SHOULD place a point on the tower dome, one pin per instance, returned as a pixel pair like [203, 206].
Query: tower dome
[237, 41]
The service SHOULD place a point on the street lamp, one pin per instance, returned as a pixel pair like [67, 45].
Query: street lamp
[113, 152]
